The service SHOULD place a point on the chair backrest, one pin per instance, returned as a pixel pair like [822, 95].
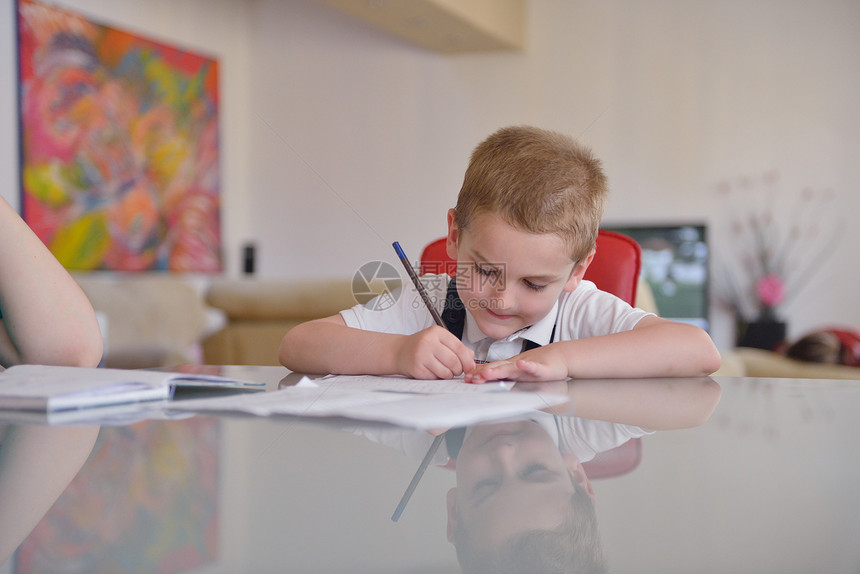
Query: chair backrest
[615, 268]
[435, 260]
[616, 265]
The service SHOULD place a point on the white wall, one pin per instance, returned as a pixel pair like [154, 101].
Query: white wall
[339, 139]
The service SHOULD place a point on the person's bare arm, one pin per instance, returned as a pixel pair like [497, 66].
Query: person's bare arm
[654, 348]
[47, 318]
[329, 346]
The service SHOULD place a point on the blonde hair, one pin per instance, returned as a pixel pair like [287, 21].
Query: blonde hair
[820, 347]
[538, 181]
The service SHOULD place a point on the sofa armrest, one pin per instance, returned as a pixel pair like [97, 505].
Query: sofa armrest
[259, 313]
[762, 363]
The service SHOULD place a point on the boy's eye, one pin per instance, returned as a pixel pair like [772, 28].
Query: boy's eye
[486, 271]
[534, 286]
[486, 483]
[493, 276]
[483, 490]
[538, 473]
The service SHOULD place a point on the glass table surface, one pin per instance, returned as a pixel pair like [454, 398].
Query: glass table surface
[713, 475]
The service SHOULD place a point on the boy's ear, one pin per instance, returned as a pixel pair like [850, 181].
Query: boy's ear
[579, 271]
[577, 472]
[453, 235]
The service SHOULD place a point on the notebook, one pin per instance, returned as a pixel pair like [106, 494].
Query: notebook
[50, 388]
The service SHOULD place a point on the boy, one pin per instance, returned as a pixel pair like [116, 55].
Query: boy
[523, 233]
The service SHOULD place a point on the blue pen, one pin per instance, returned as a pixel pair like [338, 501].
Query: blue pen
[418, 285]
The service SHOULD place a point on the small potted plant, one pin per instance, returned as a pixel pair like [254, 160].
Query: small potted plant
[775, 240]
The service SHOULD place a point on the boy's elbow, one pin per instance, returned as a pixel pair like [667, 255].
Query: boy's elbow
[710, 359]
[283, 351]
[287, 351]
[692, 353]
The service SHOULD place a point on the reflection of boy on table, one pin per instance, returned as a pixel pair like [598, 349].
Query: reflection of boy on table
[523, 502]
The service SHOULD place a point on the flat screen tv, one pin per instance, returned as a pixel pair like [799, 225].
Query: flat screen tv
[675, 265]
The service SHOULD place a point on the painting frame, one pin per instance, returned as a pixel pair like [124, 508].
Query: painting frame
[119, 145]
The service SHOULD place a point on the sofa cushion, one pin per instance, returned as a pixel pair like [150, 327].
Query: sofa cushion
[152, 320]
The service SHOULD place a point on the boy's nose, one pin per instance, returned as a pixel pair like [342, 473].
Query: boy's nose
[506, 455]
[504, 298]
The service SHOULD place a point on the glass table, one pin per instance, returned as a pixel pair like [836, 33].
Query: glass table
[727, 475]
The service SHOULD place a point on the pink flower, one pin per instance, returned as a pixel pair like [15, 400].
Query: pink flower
[770, 289]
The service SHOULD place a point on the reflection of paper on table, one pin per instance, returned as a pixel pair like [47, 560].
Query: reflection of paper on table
[421, 411]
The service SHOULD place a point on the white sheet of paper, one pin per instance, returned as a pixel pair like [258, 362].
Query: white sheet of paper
[421, 411]
[406, 385]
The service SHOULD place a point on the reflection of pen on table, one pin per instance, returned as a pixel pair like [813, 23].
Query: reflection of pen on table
[418, 474]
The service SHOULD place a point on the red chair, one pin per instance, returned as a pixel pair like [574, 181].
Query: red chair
[615, 269]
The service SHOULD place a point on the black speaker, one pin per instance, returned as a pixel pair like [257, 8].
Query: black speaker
[249, 256]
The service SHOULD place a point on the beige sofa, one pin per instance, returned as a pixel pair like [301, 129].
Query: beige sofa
[260, 312]
[154, 320]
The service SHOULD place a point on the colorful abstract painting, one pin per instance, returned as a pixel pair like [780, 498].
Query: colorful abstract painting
[145, 501]
[119, 145]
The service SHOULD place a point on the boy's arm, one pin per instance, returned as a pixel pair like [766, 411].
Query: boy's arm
[47, 318]
[329, 346]
[655, 347]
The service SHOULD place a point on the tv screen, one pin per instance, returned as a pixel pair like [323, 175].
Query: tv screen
[675, 266]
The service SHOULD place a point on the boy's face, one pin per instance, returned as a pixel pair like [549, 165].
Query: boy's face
[509, 279]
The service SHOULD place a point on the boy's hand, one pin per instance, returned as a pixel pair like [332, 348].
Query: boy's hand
[543, 364]
[434, 353]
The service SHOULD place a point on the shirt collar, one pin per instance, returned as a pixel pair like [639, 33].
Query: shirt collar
[539, 332]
